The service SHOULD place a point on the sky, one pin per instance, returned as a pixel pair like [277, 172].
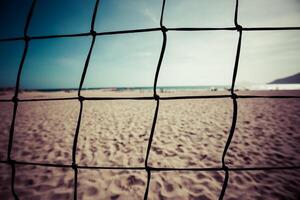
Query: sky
[130, 60]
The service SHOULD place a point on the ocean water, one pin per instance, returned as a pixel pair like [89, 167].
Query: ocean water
[148, 88]
[185, 88]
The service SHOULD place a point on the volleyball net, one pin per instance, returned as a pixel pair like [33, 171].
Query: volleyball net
[164, 31]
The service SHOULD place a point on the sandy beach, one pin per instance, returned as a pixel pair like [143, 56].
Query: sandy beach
[189, 133]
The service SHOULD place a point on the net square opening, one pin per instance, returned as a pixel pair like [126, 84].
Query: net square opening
[115, 133]
[185, 185]
[12, 25]
[44, 131]
[271, 184]
[123, 65]
[198, 63]
[53, 68]
[61, 17]
[117, 15]
[111, 184]
[269, 64]
[271, 13]
[39, 182]
[266, 134]
[191, 133]
[199, 14]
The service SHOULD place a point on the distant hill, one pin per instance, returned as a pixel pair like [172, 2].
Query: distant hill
[290, 79]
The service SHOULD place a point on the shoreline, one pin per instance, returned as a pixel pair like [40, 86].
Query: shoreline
[6, 95]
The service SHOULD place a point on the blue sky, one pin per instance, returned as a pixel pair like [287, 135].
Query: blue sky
[130, 60]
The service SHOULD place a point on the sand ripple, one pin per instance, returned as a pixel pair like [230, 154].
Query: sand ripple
[189, 133]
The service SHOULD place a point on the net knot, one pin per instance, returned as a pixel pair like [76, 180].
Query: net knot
[239, 28]
[225, 168]
[234, 96]
[26, 38]
[164, 29]
[74, 166]
[156, 97]
[15, 99]
[93, 33]
[81, 98]
[11, 162]
[148, 169]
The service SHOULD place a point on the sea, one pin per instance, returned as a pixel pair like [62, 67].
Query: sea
[184, 88]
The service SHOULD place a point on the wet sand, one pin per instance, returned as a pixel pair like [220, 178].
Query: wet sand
[189, 133]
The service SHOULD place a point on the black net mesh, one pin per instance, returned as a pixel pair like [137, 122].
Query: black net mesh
[155, 97]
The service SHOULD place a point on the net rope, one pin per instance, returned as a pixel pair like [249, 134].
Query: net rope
[26, 38]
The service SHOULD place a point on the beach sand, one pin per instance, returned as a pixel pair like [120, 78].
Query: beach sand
[189, 134]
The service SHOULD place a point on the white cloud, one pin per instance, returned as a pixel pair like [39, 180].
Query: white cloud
[148, 13]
